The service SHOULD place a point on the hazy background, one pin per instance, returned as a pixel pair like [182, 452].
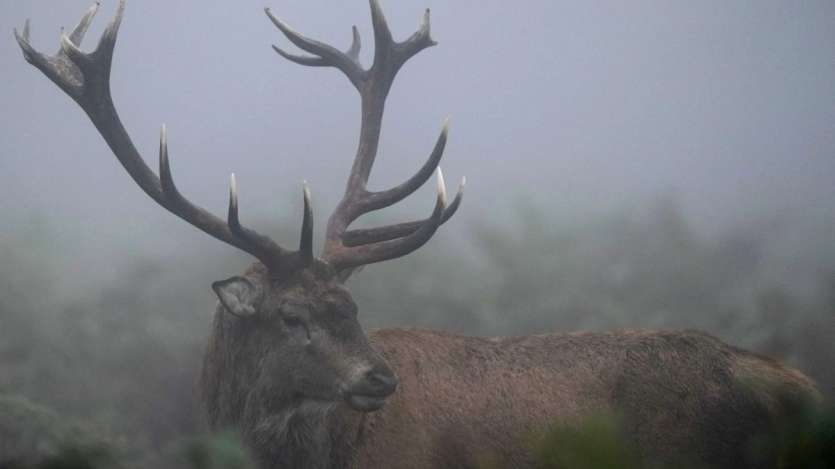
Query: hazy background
[664, 164]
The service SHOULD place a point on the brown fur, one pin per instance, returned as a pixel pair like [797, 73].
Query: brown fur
[681, 398]
[684, 397]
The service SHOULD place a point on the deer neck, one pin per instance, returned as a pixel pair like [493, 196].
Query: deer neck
[310, 435]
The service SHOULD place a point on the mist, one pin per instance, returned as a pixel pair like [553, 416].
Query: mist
[650, 164]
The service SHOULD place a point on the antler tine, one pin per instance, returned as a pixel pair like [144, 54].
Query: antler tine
[348, 258]
[80, 30]
[362, 236]
[324, 54]
[85, 77]
[232, 218]
[169, 189]
[306, 243]
[25, 30]
[356, 45]
[381, 199]
[382, 33]
[390, 55]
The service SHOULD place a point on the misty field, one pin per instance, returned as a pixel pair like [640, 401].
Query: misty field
[109, 370]
[632, 165]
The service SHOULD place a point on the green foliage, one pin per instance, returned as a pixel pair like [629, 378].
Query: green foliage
[805, 439]
[594, 443]
[73, 457]
[32, 436]
[123, 356]
[220, 451]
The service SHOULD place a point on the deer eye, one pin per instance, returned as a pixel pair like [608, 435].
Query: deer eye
[292, 321]
[296, 325]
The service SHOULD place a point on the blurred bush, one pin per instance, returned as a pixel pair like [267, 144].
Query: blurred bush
[595, 443]
[805, 440]
[123, 356]
[32, 436]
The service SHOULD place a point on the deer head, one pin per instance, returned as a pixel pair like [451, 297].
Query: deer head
[291, 303]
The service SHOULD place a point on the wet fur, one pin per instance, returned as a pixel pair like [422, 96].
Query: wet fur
[683, 397]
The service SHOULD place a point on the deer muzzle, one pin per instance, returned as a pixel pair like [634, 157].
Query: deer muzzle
[370, 392]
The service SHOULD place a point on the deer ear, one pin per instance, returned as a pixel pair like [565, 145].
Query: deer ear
[239, 296]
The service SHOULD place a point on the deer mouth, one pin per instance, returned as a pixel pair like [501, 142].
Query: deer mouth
[365, 403]
[370, 393]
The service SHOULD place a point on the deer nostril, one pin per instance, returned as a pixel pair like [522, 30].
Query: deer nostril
[383, 382]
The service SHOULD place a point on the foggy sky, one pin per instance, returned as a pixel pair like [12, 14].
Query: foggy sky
[583, 106]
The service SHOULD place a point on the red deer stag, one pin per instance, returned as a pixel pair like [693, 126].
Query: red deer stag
[289, 366]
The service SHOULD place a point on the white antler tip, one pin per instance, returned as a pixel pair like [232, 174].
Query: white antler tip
[306, 190]
[463, 182]
[26, 29]
[233, 186]
[424, 20]
[441, 186]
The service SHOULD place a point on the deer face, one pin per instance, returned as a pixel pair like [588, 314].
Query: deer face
[305, 335]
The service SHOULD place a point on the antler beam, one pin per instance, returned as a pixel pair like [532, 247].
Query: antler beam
[85, 77]
[347, 250]
[362, 236]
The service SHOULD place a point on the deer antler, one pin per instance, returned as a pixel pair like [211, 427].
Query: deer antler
[85, 77]
[344, 249]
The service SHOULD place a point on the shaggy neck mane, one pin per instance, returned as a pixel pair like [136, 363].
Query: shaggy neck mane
[281, 431]
[300, 436]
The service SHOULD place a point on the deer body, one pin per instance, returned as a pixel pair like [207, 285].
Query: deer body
[289, 366]
[682, 398]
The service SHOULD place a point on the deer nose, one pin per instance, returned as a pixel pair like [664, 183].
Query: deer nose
[382, 381]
